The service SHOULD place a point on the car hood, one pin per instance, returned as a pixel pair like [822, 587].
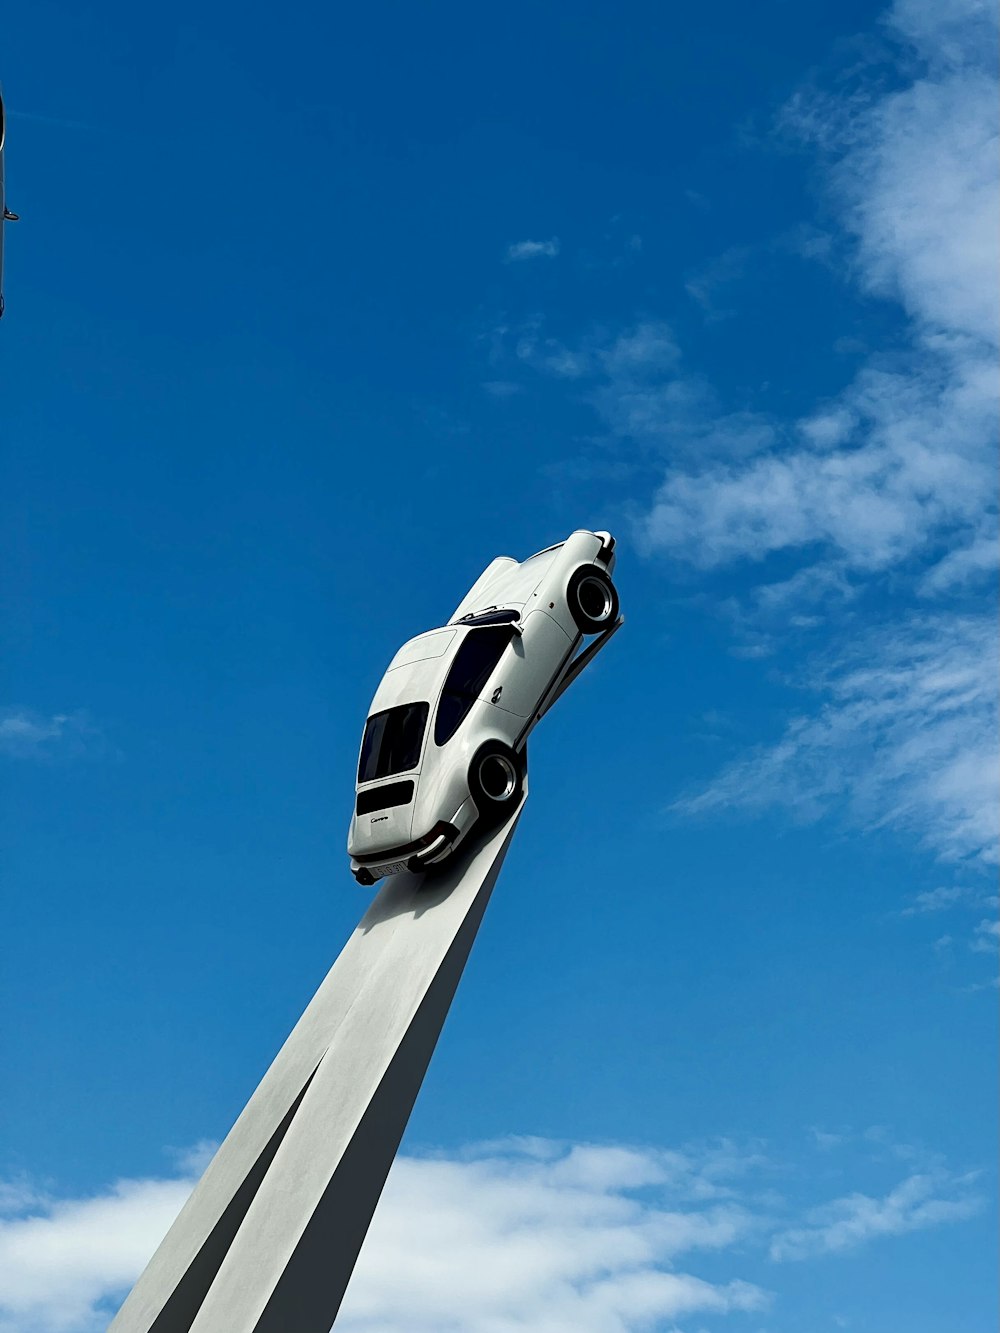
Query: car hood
[509, 583]
[505, 583]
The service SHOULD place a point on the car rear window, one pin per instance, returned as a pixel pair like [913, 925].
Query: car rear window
[392, 740]
[474, 663]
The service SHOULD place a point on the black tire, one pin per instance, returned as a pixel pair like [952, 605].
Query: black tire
[593, 599]
[496, 780]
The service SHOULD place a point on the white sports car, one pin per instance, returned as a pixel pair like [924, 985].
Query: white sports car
[444, 747]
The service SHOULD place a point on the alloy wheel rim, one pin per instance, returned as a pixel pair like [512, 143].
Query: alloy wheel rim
[594, 598]
[498, 777]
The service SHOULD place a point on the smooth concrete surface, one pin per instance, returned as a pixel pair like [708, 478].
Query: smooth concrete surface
[268, 1240]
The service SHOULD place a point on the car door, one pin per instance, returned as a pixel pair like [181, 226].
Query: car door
[534, 659]
[474, 677]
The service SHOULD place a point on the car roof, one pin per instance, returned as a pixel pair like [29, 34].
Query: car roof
[417, 672]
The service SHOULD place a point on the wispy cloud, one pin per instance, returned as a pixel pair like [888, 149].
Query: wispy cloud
[907, 738]
[942, 900]
[707, 286]
[958, 901]
[935, 900]
[636, 382]
[26, 734]
[987, 937]
[903, 459]
[878, 499]
[501, 388]
[918, 1202]
[895, 466]
[533, 250]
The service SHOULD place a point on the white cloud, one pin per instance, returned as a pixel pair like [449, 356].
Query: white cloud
[20, 1195]
[551, 356]
[829, 426]
[824, 582]
[637, 359]
[936, 900]
[25, 734]
[964, 565]
[906, 739]
[881, 495]
[527, 1234]
[911, 467]
[706, 286]
[921, 184]
[22, 732]
[987, 937]
[501, 388]
[893, 478]
[826, 1140]
[561, 1243]
[533, 250]
[519, 1235]
[904, 458]
[640, 354]
[61, 1264]
[918, 1202]
[637, 383]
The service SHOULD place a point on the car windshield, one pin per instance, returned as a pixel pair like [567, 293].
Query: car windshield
[491, 617]
[473, 665]
[392, 740]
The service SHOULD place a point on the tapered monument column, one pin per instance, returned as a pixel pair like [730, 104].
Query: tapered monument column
[269, 1238]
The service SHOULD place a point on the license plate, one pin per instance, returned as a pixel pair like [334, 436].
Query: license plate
[393, 868]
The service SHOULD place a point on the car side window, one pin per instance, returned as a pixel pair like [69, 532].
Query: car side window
[473, 665]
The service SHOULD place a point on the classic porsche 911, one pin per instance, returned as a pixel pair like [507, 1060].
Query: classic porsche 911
[444, 747]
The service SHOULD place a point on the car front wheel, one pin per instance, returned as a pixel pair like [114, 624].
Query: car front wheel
[593, 600]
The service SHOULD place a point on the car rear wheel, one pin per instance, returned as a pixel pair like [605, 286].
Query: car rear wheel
[593, 600]
[496, 779]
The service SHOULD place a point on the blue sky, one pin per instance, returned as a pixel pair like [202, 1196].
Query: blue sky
[310, 316]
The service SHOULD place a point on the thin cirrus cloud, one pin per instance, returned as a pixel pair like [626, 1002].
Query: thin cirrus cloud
[27, 734]
[905, 739]
[520, 1234]
[918, 1202]
[521, 250]
[935, 900]
[887, 486]
[987, 937]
